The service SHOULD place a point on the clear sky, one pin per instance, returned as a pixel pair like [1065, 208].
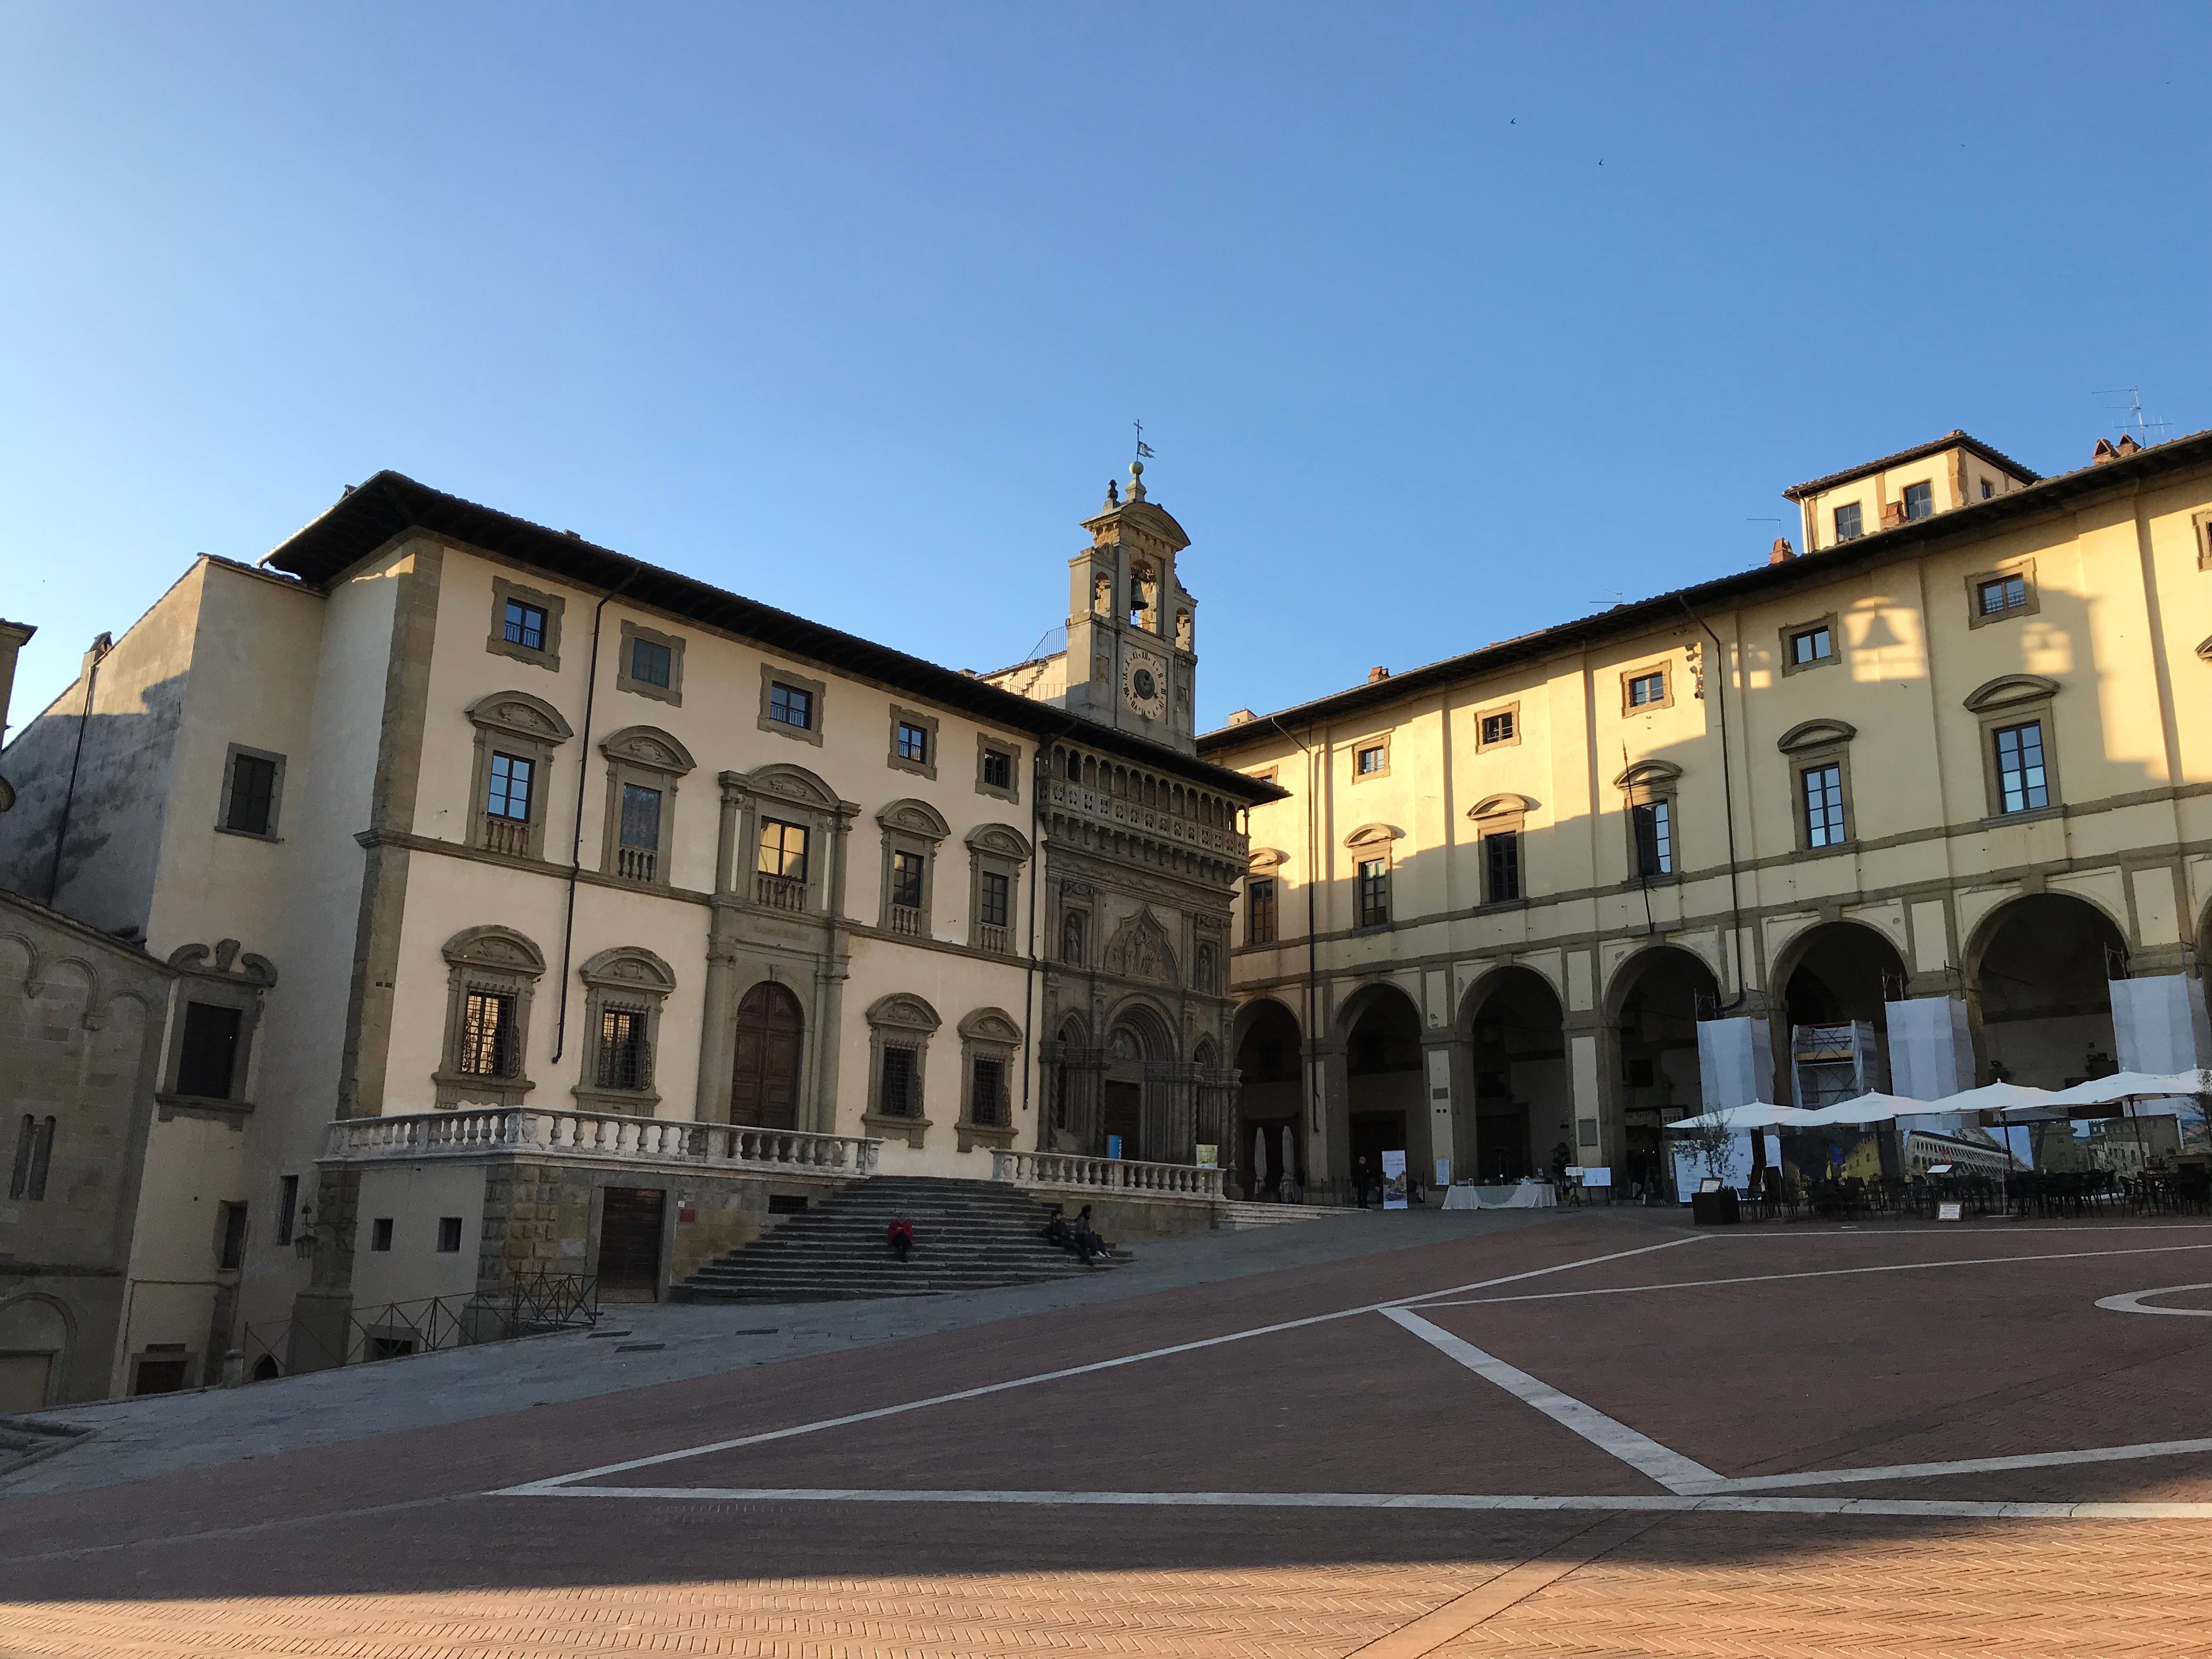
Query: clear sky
[1447, 322]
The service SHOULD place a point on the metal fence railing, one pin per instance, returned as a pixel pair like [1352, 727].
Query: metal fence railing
[526, 1306]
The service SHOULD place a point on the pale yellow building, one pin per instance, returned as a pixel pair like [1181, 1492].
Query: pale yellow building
[533, 912]
[1928, 805]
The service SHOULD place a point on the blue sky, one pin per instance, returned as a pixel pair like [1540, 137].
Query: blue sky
[1446, 323]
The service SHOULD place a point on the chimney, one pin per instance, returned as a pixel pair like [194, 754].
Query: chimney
[2127, 445]
[2104, 452]
[1242, 717]
[14, 636]
[1782, 552]
[1377, 672]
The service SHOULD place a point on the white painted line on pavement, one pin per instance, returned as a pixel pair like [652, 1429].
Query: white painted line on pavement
[1684, 1503]
[1971, 1466]
[1640, 1452]
[531, 1487]
[1841, 1272]
[2133, 1302]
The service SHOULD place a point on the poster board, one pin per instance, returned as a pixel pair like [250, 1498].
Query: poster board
[1394, 1180]
[1113, 1146]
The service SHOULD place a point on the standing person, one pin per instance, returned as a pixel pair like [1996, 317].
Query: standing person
[1359, 1181]
[900, 1237]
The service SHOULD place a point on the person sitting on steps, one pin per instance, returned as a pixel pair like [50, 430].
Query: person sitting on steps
[900, 1237]
[1088, 1244]
[1057, 1233]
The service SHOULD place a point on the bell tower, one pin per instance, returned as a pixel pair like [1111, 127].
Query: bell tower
[1132, 626]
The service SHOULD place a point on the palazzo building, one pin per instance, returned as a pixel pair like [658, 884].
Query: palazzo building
[1926, 805]
[493, 906]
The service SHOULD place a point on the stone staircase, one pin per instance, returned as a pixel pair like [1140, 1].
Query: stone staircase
[968, 1235]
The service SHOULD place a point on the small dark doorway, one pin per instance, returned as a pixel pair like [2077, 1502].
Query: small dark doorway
[764, 1082]
[164, 1375]
[630, 1244]
[1124, 1115]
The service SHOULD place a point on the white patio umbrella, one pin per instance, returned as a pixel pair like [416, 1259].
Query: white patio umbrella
[1289, 1160]
[1259, 1159]
[1994, 1097]
[1757, 1115]
[2132, 1085]
[1869, 1108]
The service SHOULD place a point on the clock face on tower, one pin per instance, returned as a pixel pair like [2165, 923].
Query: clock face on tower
[1145, 684]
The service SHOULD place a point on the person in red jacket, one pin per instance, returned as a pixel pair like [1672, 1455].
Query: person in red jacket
[900, 1237]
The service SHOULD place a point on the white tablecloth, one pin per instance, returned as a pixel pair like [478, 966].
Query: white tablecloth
[1525, 1195]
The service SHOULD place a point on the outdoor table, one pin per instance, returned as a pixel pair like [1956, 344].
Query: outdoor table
[1522, 1195]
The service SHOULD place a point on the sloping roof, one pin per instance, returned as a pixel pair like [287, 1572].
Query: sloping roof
[365, 518]
[1953, 439]
[1642, 615]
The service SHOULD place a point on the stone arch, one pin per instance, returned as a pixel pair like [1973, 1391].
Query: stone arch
[1648, 1051]
[914, 817]
[1140, 949]
[27, 970]
[2039, 995]
[1143, 1094]
[35, 1326]
[1835, 973]
[1512, 1028]
[494, 947]
[630, 966]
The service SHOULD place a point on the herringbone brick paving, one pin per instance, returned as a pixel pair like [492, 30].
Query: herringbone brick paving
[298, 1560]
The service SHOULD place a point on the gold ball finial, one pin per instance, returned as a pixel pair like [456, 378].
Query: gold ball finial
[1136, 469]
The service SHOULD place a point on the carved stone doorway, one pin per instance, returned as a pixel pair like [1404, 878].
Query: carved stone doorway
[764, 1082]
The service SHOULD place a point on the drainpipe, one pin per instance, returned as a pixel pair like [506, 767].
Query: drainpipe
[1727, 798]
[583, 776]
[1313, 947]
[102, 645]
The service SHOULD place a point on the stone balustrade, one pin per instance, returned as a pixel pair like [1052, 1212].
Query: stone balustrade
[1124, 813]
[541, 1132]
[1118, 1176]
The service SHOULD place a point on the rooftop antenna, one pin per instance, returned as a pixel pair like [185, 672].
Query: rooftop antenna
[2134, 423]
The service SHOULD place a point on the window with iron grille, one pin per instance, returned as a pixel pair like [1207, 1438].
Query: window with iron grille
[34, 1151]
[252, 794]
[987, 1101]
[525, 625]
[999, 769]
[1374, 892]
[651, 662]
[1824, 805]
[1497, 728]
[508, 796]
[1919, 501]
[1847, 523]
[783, 849]
[790, 705]
[1501, 867]
[992, 903]
[906, 879]
[623, 1061]
[487, 1047]
[2004, 593]
[207, 1060]
[1653, 825]
[895, 1098]
[2023, 785]
[1260, 910]
[1813, 645]
[914, 743]
[1647, 688]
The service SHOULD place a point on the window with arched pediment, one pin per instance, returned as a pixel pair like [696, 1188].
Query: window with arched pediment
[644, 766]
[623, 990]
[492, 974]
[900, 1026]
[516, 735]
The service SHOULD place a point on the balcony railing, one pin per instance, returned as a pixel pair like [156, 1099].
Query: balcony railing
[989, 937]
[1106, 1174]
[906, 919]
[536, 1132]
[779, 892]
[507, 835]
[636, 863]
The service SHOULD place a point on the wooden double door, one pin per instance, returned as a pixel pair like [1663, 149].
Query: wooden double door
[770, 1050]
